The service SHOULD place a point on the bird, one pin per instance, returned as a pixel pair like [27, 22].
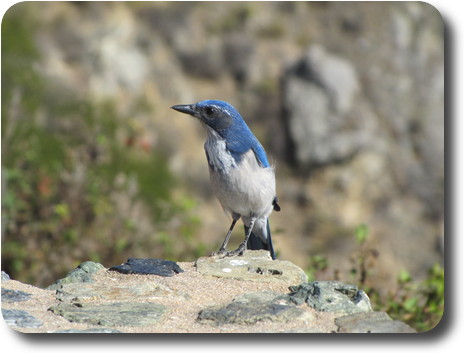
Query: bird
[240, 174]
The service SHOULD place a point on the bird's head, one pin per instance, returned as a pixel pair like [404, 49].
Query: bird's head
[217, 115]
[222, 118]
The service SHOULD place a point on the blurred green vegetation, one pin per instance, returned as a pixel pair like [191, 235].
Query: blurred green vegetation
[418, 303]
[76, 185]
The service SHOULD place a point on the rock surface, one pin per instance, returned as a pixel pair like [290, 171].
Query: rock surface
[20, 319]
[373, 322]
[252, 266]
[5, 276]
[255, 307]
[87, 292]
[111, 314]
[148, 267]
[331, 296]
[12, 296]
[90, 330]
[81, 274]
[192, 301]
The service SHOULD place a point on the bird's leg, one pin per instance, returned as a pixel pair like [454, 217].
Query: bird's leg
[222, 249]
[226, 240]
[241, 248]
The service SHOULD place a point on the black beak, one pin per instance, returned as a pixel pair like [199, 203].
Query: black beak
[184, 108]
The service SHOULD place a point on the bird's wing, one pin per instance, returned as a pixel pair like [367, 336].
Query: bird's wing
[260, 155]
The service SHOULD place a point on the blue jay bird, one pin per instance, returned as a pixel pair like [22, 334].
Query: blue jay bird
[240, 174]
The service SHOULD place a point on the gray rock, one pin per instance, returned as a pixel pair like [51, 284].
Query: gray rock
[251, 308]
[371, 322]
[257, 297]
[111, 314]
[157, 267]
[318, 96]
[238, 52]
[90, 330]
[5, 276]
[20, 318]
[81, 274]
[206, 61]
[335, 75]
[253, 265]
[331, 296]
[90, 292]
[303, 330]
[13, 296]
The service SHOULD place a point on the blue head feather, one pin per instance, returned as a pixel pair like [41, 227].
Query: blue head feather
[229, 124]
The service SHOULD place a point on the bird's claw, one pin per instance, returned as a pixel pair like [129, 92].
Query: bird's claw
[221, 253]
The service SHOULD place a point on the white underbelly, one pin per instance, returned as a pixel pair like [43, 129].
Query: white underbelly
[246, 190]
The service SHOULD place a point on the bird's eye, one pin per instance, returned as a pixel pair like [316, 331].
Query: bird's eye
[209, 110]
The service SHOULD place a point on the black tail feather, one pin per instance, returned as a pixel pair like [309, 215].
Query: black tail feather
[255, 242]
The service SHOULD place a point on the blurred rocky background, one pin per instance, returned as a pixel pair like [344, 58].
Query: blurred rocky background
[346, 97]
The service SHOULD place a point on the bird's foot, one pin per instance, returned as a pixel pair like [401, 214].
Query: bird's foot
[237, 252]
[220, 253]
